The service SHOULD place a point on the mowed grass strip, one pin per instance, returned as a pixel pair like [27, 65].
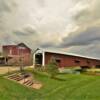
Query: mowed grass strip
[64, 91]
[74, 90]
[72, 87]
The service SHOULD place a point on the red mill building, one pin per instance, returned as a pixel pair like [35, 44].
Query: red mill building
[42, 57]
[17, 54]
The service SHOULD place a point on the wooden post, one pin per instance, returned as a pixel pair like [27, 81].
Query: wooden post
[43, 58]
[33, 60]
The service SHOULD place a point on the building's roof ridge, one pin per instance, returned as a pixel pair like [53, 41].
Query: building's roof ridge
[10, 45]
[21, 43]
[66, 53]
[25, 45]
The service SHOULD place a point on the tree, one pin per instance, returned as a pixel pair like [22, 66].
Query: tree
[52, 68]
[21, 64]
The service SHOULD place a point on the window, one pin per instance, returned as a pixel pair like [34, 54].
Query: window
[58, 60]
[88, 62]
[38, 58]
[77, 61]
[56, 57]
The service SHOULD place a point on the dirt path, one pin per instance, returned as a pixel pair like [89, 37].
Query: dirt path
[4, 69]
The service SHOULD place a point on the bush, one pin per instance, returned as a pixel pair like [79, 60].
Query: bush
[52, 68]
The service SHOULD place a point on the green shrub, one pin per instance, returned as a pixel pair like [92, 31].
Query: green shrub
[52, 68]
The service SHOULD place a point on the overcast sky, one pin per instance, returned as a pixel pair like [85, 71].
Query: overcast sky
[69, 25]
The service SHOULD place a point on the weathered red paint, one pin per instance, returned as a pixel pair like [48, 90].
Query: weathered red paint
[17, 53]
[69, 61]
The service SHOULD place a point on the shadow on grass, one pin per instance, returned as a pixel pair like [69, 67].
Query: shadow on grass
[45, 74]
[58, 79]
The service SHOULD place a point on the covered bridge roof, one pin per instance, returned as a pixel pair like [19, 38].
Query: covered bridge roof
[66, 53]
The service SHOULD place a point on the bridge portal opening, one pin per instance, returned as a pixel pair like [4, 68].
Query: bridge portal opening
[38, 59]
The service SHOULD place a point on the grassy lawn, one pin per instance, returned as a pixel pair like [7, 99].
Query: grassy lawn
[71, 87]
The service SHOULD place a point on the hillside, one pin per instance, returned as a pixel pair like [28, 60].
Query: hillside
[68, 87]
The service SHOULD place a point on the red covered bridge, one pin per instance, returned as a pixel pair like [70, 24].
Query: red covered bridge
[64, 59]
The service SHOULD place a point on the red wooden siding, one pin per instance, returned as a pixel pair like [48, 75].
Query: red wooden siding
[69, 61]
[17, 53]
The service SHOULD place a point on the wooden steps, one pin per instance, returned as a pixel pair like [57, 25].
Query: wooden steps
[28, 83]
[15, 77]
[25, 79]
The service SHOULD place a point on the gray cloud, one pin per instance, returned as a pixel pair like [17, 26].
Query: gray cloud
[82, 16]
[47, 45]
[51, 23]
[88, 14]
[41, 3]
[4, 6]
[87, 37]
[92, 50]
[27, 31]
[7, 6]
[88, 21]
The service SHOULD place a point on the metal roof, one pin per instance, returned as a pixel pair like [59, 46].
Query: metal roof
[66, 53]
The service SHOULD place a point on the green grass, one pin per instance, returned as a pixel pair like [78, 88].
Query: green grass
[71, 87]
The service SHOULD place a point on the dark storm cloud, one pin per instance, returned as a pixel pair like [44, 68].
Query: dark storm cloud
[86, 37]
